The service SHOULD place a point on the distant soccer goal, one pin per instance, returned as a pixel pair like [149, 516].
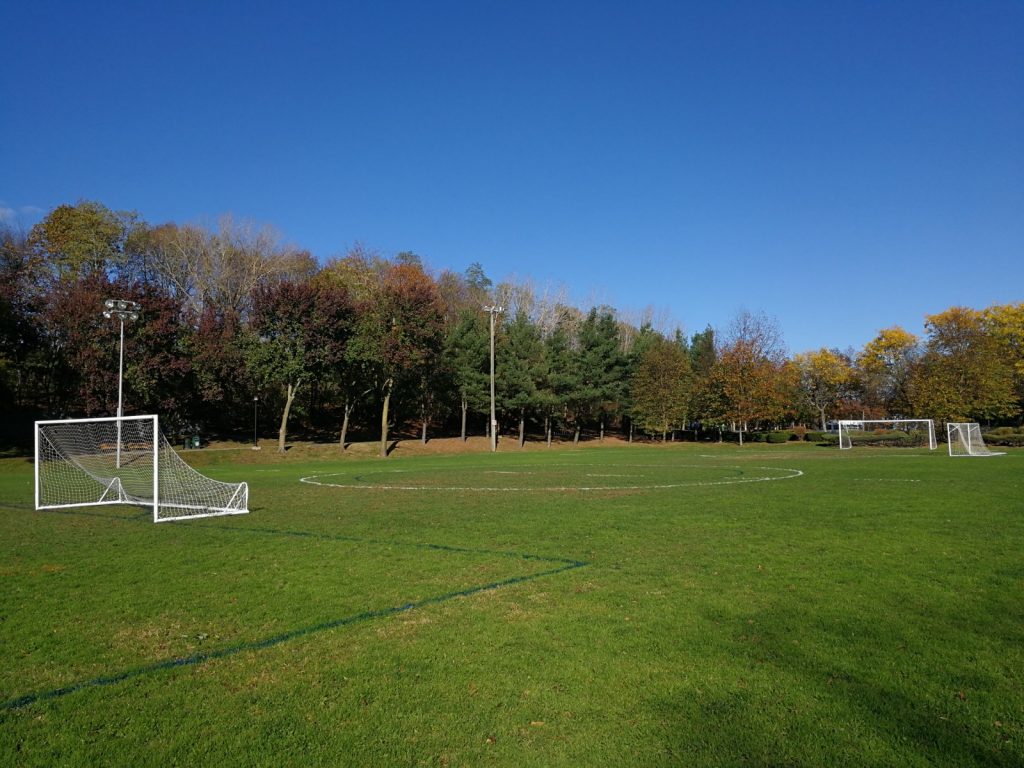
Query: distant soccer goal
[965, 440]
[88, 462]
[849, 428]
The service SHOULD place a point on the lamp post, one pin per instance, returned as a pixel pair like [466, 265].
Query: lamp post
[492, 311]
[255, 421]
[123, 310]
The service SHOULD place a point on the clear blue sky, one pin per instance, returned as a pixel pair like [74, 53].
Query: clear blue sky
[841, 166]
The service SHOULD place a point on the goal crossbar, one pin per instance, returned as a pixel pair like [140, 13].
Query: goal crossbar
[126, 460]
[848, 425]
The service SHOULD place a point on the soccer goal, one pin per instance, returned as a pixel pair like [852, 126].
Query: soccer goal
[87, 462]
[923, 427]
[965, 440]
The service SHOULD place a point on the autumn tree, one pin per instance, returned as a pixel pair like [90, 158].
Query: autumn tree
[660, 386]
[20, 303]
[221, 268]
[361, 273]
[962, 375]
[299, 330]
[81, 239]
[216, 349]
[824, 378]
[82, 349]
[747, 374]
[399, 334]
[885, 366]
[1005, 324]
[463, 292]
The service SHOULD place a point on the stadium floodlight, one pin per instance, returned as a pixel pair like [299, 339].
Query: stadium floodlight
[492, 311]
[122, 309]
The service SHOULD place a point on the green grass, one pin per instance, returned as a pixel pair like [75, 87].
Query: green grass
[867, 612]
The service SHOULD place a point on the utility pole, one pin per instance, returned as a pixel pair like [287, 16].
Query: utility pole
[492, 311]
[123, 310]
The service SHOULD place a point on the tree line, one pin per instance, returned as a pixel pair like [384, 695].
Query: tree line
[233, 318]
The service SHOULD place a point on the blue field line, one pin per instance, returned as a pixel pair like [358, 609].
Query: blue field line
[565, 564]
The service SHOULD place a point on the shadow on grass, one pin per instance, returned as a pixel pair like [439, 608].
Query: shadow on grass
[853, 677]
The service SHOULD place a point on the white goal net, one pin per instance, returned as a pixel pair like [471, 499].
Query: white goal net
[86, 462]
[918, 431]
[965, 440]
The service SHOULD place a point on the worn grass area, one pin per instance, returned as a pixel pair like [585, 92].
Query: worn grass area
[695, 605]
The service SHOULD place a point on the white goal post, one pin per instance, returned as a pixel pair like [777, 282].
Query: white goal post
[965, 439]
[127, 460]
[846, 426]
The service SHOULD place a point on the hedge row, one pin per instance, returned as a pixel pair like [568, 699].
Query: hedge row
[1005, 436]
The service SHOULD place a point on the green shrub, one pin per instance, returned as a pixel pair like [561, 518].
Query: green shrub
[889, 438]
[1010, 439]
[780, 436]
[1002, 431]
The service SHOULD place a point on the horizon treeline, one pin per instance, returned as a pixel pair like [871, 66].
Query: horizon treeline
[235, 325]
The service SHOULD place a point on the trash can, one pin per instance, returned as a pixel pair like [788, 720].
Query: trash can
[195, 442]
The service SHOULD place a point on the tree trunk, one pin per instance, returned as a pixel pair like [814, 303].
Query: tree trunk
[823, 425]
[282, 433]
[664, 435]
[384, 420]
[547, 428]
[601, 438]
[522, 427]
[344, 423]
[741, 437]
[465, 407]
[631, 431]
[423, 435]
[576, 436]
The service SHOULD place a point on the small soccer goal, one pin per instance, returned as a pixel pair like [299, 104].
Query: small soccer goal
[88, 462]
[965, 439]
[921, 429]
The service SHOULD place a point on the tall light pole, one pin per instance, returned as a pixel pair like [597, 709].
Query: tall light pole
[492, 311]
[123, 310]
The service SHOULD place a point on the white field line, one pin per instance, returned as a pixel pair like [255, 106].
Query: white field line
[315, 480]
[885, 480]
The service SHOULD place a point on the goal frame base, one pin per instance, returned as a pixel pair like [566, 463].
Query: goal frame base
[952, 426]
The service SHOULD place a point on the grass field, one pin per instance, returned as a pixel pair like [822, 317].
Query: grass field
[631, 605]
